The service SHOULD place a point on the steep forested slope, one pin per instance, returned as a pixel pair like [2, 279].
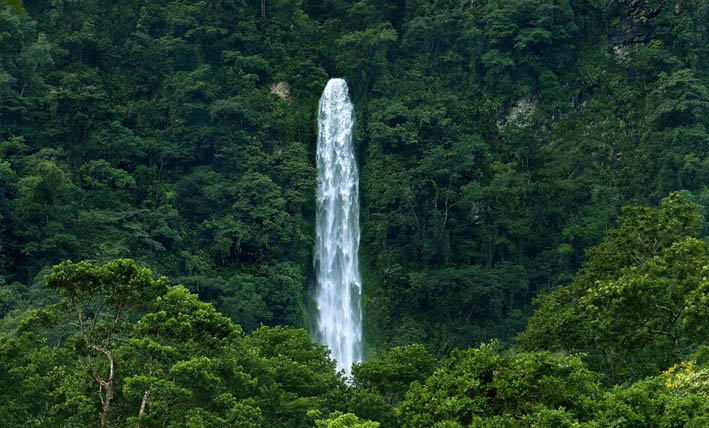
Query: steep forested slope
[149, 131]
[498, 139]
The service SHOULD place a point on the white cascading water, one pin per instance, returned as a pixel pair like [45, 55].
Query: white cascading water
[339, 287]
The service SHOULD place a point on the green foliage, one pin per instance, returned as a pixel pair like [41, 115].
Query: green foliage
[380, 384]
[651, 403]
[181, 363]
[347, 420]
[361, 55]
[636, 306]
[498, 141]
[160, 357]
[15, 4]
[295, 375]
[182, 368]
[104, 142]
[484, 388]
[29, 369]
[481, 387]
[119, 286]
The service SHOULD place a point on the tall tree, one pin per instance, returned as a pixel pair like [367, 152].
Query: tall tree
[100, 299]
[634, 306]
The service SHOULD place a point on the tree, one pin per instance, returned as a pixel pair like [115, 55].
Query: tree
[653, 402]
[647, 311]
[635, 305]
[485, 388]
[392, 373]
[381, 383]
[30, 370]
[688, 376]
[100, 299]
[295, 376]
[181, 363]
[361, 55]
[346, 420]
[181, 366]
[15, 4]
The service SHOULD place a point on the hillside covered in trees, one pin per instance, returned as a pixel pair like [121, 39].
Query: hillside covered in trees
[534, 184]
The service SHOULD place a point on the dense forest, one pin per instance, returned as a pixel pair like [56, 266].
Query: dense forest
[534, 184]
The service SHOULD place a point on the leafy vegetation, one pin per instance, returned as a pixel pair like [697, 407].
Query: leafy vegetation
[123, 349]
[511, 152]
[638, 305]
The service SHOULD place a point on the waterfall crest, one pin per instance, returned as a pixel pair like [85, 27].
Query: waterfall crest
[339, 287]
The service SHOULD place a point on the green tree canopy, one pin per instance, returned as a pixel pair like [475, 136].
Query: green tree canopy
[484, 388]
[635, 306]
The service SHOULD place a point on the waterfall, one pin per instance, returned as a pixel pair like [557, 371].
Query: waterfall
[339, 287]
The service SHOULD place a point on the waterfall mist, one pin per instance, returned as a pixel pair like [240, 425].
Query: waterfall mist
[339, 287]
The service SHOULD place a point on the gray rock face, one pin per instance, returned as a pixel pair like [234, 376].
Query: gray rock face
[629, 32]
[635, 28]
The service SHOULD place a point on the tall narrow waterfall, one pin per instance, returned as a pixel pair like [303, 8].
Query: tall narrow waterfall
[339, 286]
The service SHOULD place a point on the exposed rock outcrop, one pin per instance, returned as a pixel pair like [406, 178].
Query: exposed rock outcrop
[281, 90]
[519, 112]
[635, 28]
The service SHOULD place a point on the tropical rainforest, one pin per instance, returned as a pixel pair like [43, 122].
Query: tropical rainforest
[534, 184]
